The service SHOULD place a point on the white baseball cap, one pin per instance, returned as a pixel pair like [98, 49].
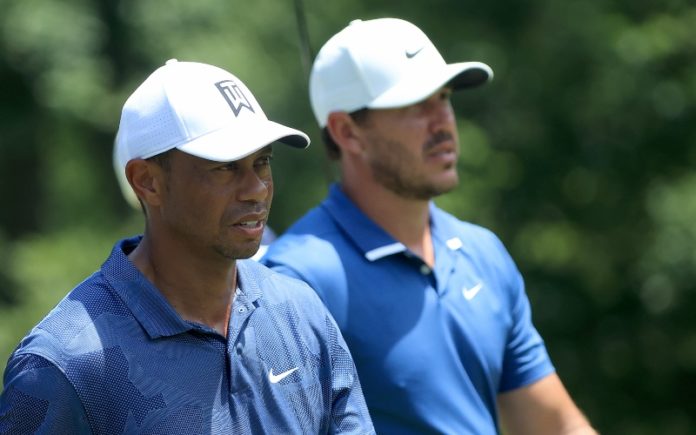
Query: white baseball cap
[126, 189]
[199, 109]
[381, 64]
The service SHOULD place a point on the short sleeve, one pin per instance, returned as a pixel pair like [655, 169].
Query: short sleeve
[349, 413]
[38, 398]
[526, 359]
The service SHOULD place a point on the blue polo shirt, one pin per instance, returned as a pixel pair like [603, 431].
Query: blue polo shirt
[433, 347]
[114, 357]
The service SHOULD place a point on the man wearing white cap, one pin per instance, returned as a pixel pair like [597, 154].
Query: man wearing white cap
[433, 309]
[268, 234]
[174, 335]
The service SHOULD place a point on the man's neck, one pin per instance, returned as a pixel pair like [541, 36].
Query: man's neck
[405, 219]
[200, 291]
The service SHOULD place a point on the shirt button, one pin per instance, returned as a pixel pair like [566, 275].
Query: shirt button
[241, 309]
[424, 269]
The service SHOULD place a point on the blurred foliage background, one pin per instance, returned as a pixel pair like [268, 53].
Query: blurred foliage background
[580, 155]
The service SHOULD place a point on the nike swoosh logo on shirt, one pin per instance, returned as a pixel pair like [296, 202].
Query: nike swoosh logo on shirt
[470, 293]
[280, 376]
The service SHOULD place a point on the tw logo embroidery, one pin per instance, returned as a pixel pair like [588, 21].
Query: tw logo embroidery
[234, 96]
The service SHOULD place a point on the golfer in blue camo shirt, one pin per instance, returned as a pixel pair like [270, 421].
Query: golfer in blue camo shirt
[433, 309]
[174, 335]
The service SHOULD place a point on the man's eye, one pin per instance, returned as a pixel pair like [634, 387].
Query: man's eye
[231, 166]
[265, 160]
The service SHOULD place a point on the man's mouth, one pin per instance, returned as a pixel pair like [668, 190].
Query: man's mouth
[249, 224]
[438, 140]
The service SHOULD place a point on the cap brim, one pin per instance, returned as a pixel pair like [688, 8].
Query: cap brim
[418, 86]
[235, 142]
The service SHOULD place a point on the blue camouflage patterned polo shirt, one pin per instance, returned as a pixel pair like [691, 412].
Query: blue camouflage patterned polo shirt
[114, 357]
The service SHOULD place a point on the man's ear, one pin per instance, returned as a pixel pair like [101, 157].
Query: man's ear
[147, 180]
[345, 132]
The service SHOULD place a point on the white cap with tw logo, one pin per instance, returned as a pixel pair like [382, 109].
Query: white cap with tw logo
[380, 64]
[199, 109]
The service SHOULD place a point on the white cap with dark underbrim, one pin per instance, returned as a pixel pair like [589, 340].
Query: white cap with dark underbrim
[380, 64]
[199, 109]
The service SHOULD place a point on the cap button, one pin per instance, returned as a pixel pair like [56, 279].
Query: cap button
[170, 61]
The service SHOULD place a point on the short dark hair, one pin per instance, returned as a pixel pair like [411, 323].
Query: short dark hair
[332, 149]
[162, 159]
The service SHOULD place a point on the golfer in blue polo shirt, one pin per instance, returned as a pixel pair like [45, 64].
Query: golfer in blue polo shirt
[175, 334]
[433, 309]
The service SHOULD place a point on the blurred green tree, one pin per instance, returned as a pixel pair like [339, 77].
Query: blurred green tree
[580, 155]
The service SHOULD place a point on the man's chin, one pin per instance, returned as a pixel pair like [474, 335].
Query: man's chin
[240, 252]
[260, 253]
[249, 253]
[435, 189]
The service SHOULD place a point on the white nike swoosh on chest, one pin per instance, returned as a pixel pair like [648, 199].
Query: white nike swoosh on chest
[274, 379]
[470, 293]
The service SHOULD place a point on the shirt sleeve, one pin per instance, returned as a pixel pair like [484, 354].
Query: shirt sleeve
[526, 359]
[349, 413]
[37, 398]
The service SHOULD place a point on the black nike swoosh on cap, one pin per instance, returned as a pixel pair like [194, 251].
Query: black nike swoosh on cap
[411, 54]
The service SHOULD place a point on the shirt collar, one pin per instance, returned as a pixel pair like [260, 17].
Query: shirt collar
[150, 308]
[148, 305]
[442, 229]
[371, 239]
[248, 281]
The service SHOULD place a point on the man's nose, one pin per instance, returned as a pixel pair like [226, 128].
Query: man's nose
[253, 187]
[441, 114]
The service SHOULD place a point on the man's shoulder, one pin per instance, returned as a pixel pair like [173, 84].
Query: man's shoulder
[314, 258]
[467, 231]
[64, 331]
[451, 221]
[313, 239]
[307, 246]
[316, 221]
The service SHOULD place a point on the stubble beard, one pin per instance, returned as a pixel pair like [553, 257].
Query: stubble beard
[231, 249]
[397, 172]
[236, 252]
